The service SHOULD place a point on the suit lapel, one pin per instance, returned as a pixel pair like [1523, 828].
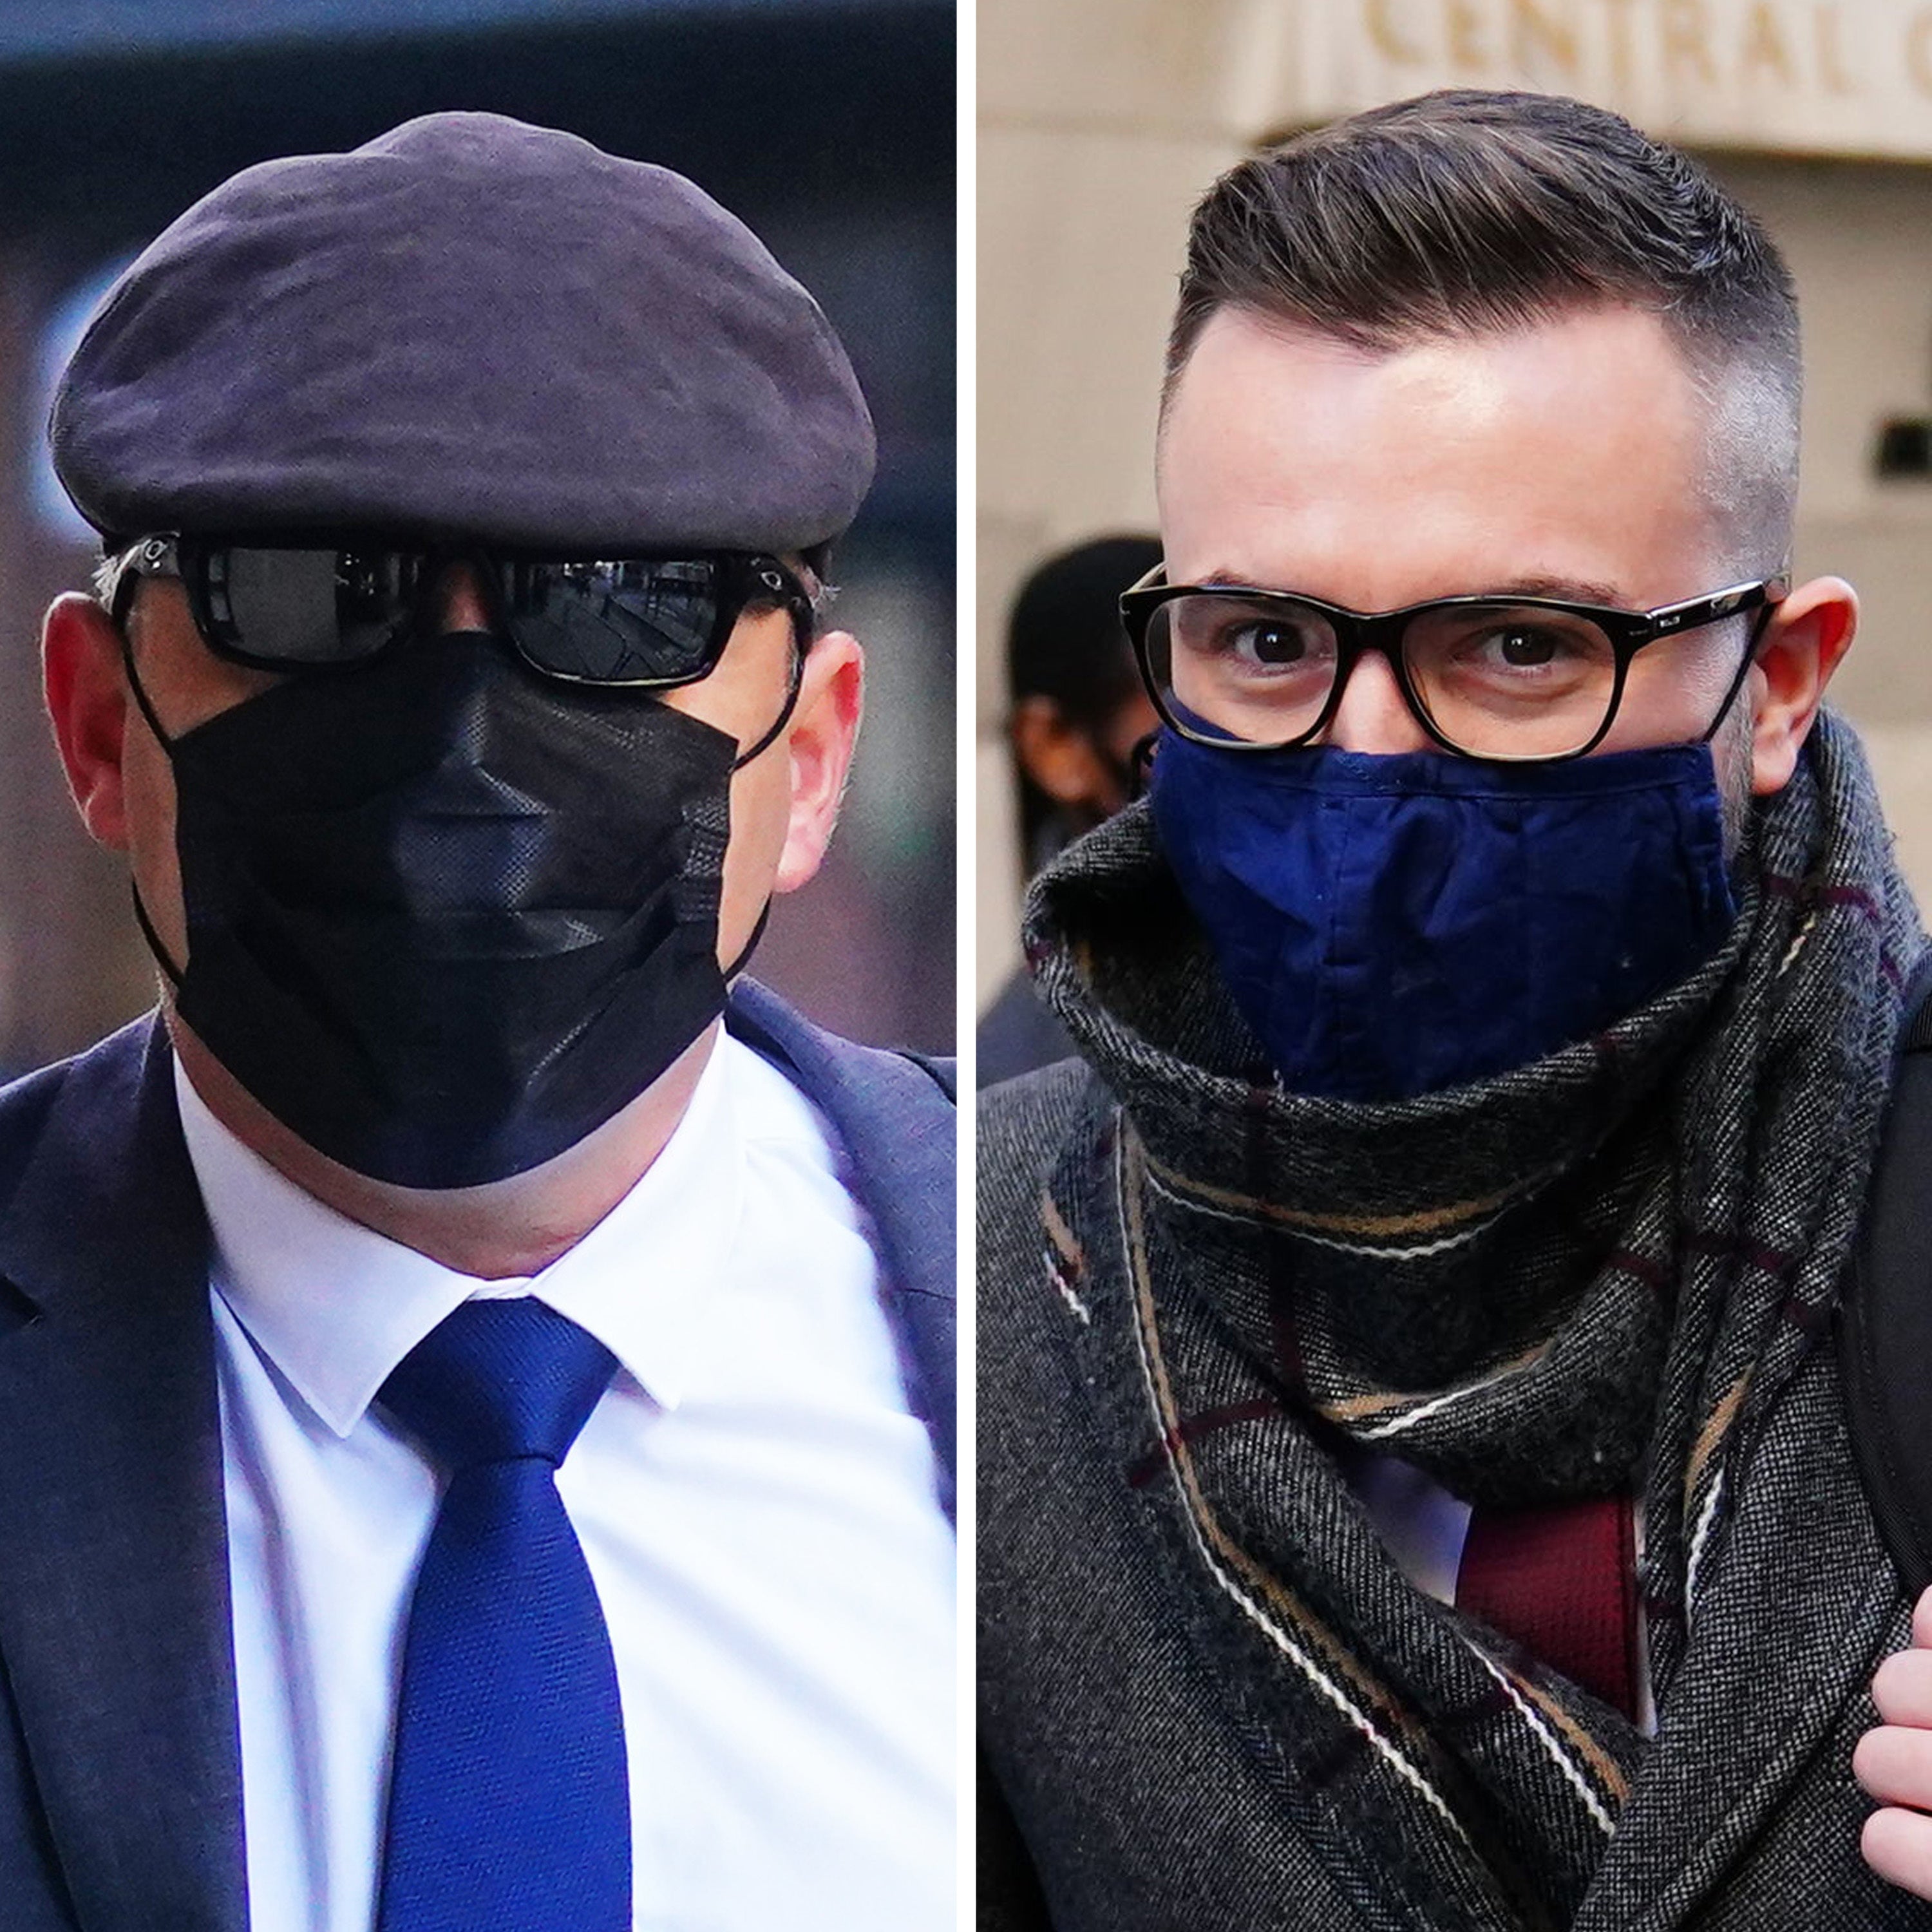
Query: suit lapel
[115, 1635]
[901, 1133]
[114, 1610]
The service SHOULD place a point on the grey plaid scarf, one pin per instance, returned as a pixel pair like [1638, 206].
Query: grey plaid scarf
[1610, 1270]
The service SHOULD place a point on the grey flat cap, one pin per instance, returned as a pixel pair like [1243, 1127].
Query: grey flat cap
[468, 327]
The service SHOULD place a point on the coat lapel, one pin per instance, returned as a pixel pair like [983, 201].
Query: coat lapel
[900, 1128]
[1791, 1625]
[114, 1608]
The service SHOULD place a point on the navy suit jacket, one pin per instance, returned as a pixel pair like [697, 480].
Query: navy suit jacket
[120, 1761]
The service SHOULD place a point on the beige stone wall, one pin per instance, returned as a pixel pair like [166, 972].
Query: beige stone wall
[1096, 134]
[1101, 120]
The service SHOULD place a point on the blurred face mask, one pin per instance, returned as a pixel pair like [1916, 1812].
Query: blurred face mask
[1391, 925]
[445, 917]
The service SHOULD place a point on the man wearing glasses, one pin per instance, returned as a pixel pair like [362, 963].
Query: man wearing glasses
[478, 1427]
[1414, 1492]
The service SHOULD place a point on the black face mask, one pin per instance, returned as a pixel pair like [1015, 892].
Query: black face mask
[445, 918]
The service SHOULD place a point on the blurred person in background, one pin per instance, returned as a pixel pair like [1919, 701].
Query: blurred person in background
[478, 1370]
[1415, 1487]
[1079, 711]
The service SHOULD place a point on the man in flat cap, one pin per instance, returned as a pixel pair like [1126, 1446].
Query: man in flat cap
[477, 1427]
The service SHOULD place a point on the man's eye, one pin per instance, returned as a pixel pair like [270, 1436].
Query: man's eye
[1271, 644]
[1266, 643]
[1524, 649]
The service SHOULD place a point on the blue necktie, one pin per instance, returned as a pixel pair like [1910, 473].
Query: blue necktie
[509, 1805]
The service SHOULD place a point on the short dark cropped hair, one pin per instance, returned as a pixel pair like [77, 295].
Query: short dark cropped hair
[1467, 212]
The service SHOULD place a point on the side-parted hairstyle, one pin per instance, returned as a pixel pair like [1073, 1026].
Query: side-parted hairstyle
[1466, 212]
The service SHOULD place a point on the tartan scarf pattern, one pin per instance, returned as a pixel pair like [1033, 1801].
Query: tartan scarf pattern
[1610, 1270]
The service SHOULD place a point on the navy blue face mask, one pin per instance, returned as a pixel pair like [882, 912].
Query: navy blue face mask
[1393, 926]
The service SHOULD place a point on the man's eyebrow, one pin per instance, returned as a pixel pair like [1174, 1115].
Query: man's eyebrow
[1564, 589]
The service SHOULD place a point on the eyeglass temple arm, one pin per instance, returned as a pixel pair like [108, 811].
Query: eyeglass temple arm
[1769, 596]
[151, 556]
[1671, 618]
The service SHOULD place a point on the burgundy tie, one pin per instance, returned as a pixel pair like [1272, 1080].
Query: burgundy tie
[1560, 1579]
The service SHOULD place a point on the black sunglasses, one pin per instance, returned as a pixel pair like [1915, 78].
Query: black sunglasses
[649, 623]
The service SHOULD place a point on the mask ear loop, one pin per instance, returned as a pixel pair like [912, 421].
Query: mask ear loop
[799, 646]
[168, 966]
[1140, 765]
[794, 686]
[134, 684]
[751, 945]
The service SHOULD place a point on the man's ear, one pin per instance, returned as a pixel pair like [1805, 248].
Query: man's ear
[88, 701]
[818, 742]
[1808, 634]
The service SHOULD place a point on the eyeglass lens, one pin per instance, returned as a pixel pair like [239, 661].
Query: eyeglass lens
[1494, 680]
[648, 621]
[613, 623]
[306, 607]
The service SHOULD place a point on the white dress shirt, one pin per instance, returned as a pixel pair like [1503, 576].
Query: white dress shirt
[1424, 1528]
[755, 1503]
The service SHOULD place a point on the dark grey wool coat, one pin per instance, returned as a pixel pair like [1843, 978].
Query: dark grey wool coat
[1135, 1778]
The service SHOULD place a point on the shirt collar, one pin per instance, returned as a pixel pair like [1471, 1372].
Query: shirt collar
[335, 1306]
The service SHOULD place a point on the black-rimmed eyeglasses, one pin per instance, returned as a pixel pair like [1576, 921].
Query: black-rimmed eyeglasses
[1500, 677]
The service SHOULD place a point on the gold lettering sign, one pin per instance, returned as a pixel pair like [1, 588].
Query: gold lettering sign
[1462, 24]
[1686, 37]
[1388, 41]
[1919, 51]
[1766, 56]
[1541, 36]
[1822, 76]
[1623, 58]
[1833, 73]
